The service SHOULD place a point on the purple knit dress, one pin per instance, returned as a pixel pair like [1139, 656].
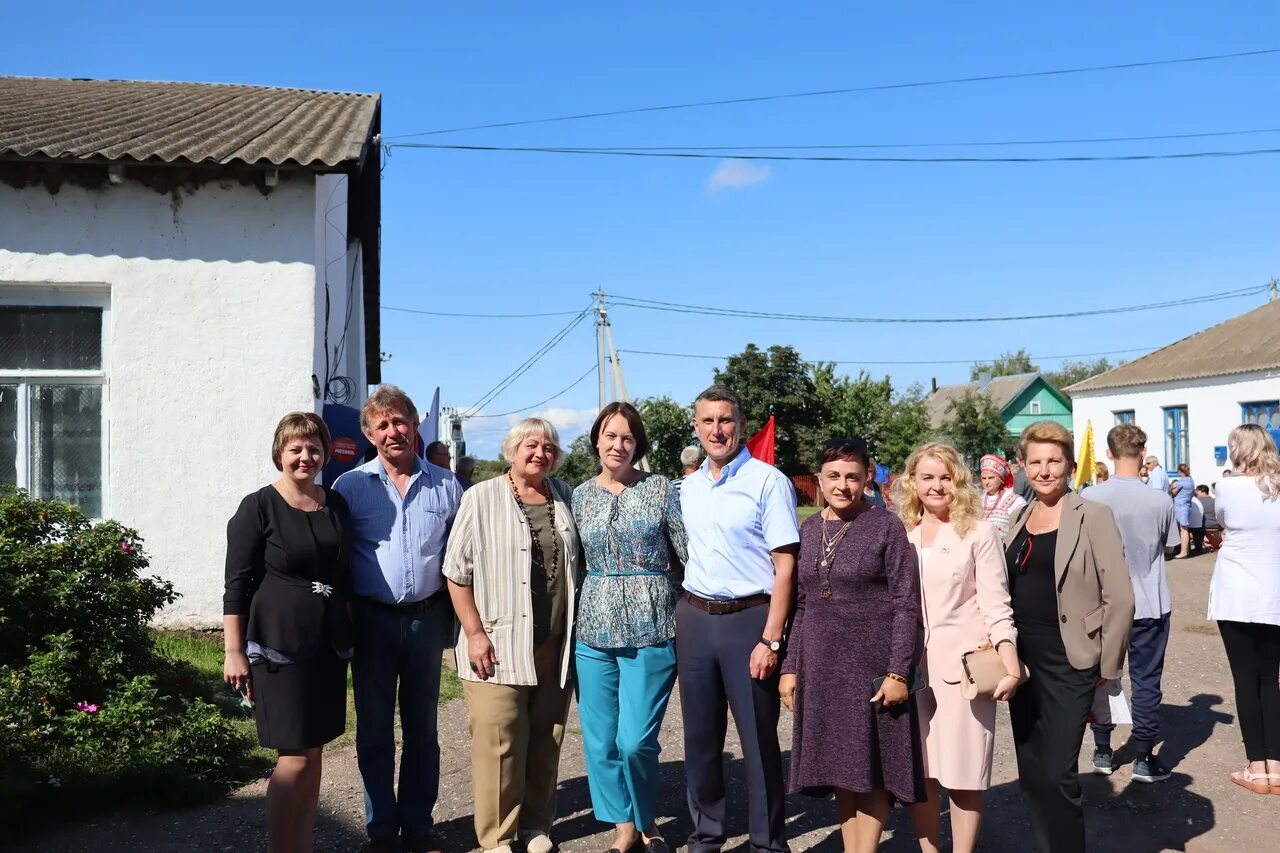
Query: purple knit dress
[869, 625]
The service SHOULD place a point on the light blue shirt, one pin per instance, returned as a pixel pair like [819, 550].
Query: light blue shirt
[733, 524]
[397, 546]
[1158, 479]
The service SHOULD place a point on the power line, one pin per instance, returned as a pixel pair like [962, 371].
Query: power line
[480, 316]
[561, 393]
[875, 145]
[836, 158]
[528, 363]
[680, 308]
[921, 84]
[925, 362]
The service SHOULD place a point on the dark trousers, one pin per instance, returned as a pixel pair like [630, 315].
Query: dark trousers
[1148, 641]
[1048, 715]
[712, 658]
[1253, 651]
[399, 654]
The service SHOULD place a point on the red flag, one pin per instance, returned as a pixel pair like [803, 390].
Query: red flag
[761, 444]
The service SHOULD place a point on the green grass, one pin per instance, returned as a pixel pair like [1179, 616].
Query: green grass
[803, 512]
[203, 651]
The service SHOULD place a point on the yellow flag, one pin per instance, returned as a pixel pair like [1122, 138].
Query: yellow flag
[1084, 459]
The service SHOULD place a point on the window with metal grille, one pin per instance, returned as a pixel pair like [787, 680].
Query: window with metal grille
[52, 385]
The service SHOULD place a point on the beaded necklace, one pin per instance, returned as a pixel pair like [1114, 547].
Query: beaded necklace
[540, 555]
[822, 563]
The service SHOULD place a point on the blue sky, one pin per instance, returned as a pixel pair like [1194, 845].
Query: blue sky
[523, 232]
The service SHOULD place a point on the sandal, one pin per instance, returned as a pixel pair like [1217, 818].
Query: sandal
[1258, 783]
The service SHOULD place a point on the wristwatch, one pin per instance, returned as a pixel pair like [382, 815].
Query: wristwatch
[772, 645]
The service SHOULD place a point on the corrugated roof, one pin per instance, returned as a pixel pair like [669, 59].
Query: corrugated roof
[182, 122]
[1244, 344]
[1003, 390]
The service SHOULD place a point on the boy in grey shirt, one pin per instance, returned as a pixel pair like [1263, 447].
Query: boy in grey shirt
[1147, 526]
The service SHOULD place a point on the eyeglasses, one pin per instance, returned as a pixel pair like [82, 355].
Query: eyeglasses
[1024, 554]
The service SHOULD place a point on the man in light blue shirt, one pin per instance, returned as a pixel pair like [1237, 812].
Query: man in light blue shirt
[1157, 477]
[740, 514]
[401, 509]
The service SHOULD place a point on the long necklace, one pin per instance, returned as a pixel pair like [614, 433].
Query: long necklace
[823, 562]
[549, 571]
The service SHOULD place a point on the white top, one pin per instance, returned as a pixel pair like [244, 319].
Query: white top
[1246, 578]
[733, 524]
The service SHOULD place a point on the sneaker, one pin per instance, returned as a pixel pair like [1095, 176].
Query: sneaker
[1149, 768]
[1104, 762]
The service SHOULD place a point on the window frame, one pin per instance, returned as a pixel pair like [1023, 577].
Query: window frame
[1035, 408]
[1270, 406]
[1176, 437]
[88, 296]
[1124, 416]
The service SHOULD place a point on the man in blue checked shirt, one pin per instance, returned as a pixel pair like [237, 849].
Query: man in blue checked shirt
[401, 510]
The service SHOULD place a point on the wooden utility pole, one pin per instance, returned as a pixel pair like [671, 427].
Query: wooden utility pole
[602, 325]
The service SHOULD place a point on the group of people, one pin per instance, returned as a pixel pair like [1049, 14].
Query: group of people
[891, 636]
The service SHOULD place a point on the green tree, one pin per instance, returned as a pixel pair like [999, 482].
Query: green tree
[1072, 371]
[580, 463]
[1008, 364]
[778, 382]
[487, 469]
[905, 428]
[974, 426]
[846, 408]
[668, 426]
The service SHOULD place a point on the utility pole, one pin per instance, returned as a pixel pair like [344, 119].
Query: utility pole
[602, 326]
[1275, 290]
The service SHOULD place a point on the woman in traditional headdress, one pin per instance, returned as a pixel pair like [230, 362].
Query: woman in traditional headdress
[1000, 503]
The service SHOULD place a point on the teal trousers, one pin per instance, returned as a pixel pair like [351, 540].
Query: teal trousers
[622, 698]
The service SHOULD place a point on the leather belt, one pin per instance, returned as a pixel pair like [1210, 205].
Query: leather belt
[725, 606]
[407, 607]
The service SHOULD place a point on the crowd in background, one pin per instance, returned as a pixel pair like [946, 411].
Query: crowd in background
[891, 623]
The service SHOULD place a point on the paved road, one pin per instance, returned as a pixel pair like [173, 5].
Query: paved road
[1197, 810]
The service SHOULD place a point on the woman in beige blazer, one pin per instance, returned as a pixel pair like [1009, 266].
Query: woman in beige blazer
[513, 567]
[965, 603]
[1073, 609]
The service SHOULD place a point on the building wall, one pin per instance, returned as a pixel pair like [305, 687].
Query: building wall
[1213, 410]
[1051, 409]
[211, 337]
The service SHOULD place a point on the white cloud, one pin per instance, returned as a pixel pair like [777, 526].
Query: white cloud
[569, 422]
[737, 175]
[484, 436]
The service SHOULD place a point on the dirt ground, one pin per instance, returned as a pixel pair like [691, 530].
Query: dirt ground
[1196, 810]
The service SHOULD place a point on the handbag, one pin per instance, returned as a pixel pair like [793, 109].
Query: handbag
[983, 670]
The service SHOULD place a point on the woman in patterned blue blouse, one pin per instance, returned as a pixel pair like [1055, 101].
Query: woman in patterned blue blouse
[635, 543]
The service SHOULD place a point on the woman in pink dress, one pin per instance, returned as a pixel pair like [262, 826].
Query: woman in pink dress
[965, 595]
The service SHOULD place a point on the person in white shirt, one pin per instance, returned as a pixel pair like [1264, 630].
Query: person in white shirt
[1157, 477]
[1244, 598]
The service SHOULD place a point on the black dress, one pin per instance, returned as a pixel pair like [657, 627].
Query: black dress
[288, 572]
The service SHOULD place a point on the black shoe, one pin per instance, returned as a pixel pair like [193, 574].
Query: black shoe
[1104, 761]
[1149, 768]
[382, 845]
[656, 845]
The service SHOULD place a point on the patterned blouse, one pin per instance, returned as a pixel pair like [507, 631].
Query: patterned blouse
[636, 548]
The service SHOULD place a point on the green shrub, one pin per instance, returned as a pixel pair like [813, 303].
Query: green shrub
[90, 712]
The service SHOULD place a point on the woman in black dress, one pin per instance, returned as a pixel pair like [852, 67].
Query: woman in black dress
[287, 631]
[853, 645]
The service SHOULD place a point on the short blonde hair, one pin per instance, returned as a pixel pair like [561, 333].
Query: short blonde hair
[964, 497]
[386, 398]
[1048, 432]
[530, 427]
[300, 425]
[1253, 453]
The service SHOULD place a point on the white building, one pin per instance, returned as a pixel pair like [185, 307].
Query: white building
[180, 264]
[1189, 395]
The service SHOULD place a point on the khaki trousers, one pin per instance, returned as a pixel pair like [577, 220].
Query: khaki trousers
[515, 750]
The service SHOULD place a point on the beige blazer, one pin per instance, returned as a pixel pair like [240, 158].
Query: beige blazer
[1095, 593]
[489, 551]
[964, 591]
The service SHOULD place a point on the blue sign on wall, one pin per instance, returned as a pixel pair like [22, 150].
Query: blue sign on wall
[1220, 455]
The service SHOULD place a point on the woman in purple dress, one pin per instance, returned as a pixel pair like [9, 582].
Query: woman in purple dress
[853, 646]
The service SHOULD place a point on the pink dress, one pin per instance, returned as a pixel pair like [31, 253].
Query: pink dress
[965, 602]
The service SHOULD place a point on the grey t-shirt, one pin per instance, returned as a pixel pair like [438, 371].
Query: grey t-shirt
[1147, 525]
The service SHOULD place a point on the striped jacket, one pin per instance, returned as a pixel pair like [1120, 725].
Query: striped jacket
[489, 551]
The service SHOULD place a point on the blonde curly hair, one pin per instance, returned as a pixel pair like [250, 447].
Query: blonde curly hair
[965, 511]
